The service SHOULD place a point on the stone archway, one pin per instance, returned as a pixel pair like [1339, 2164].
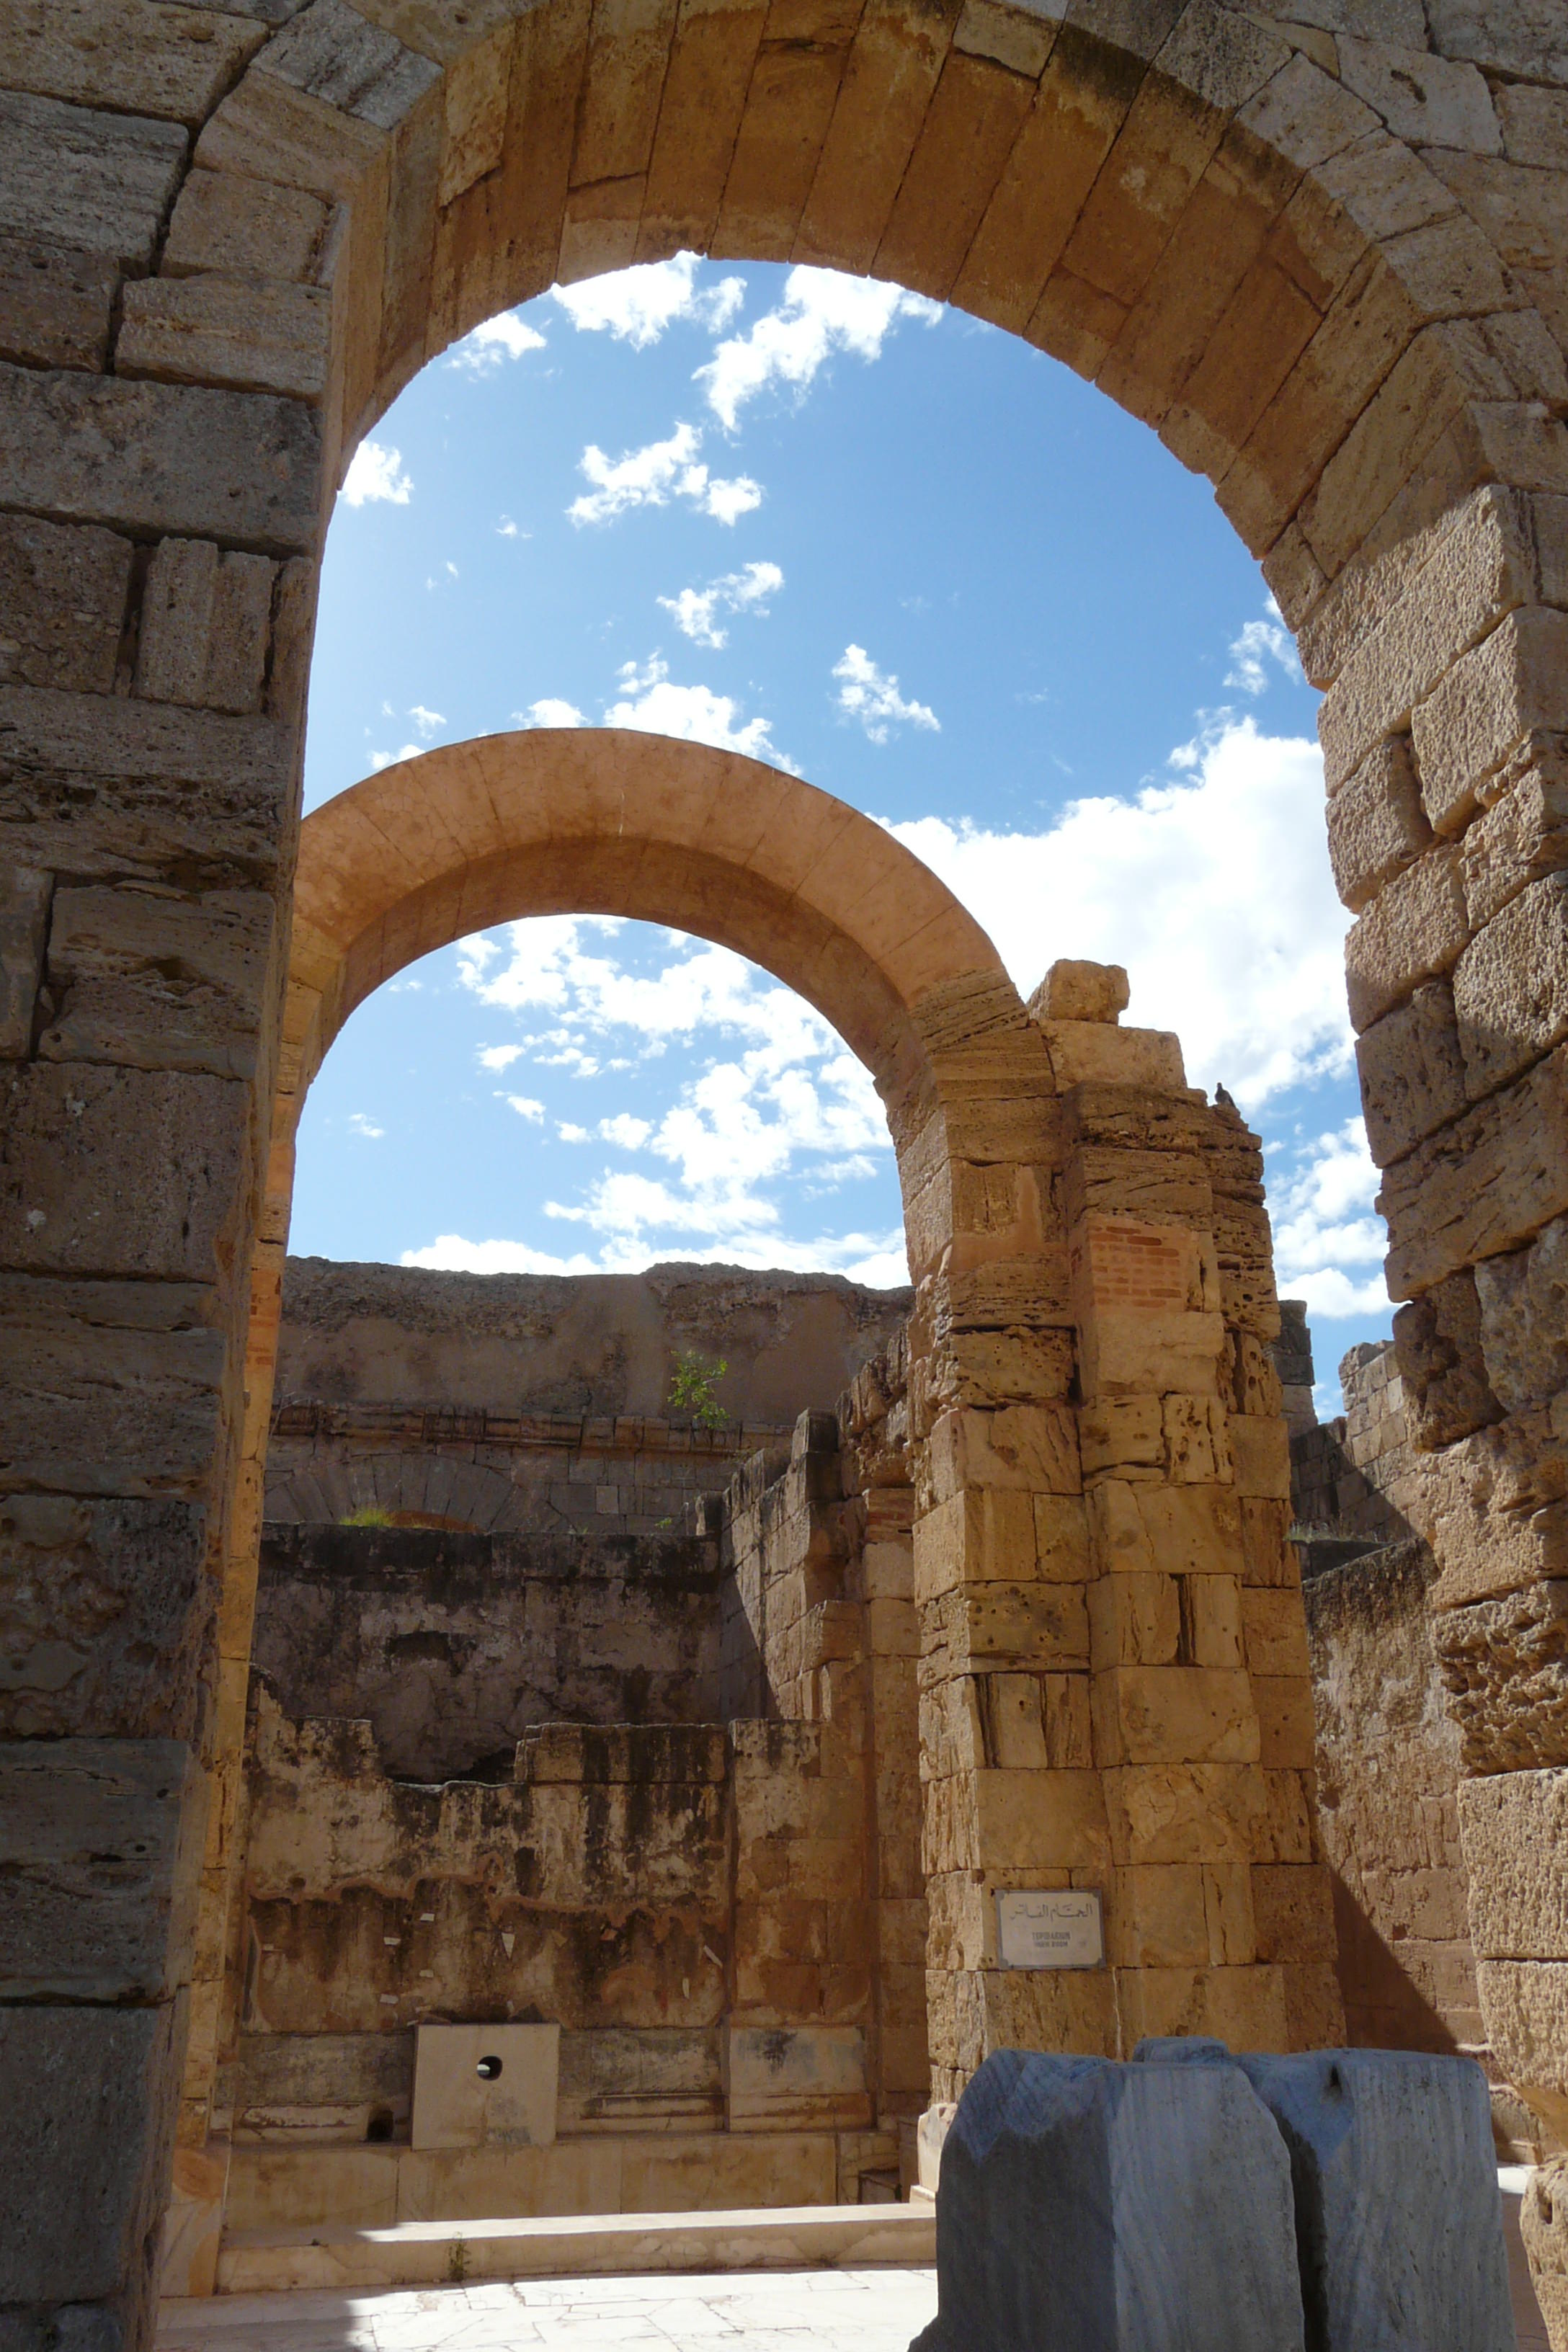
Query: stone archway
[1115, 1692]
[1323, 266]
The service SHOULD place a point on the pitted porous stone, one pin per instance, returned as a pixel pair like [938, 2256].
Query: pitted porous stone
[1398, 2219]
[1098, 2207]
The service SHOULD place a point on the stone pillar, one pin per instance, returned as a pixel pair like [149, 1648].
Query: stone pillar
[1115, 1684]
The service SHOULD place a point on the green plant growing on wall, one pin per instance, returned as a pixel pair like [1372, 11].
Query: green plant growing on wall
[693, 1383]
[369, 1515]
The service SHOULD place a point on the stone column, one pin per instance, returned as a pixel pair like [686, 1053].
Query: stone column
[1115, 1690]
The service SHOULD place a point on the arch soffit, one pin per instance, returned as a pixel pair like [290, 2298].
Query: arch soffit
[611, 822]
[1175, 200]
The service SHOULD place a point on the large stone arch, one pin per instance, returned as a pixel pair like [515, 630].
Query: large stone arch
[1324, 263]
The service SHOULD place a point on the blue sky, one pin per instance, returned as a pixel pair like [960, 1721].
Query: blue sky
[917, 562]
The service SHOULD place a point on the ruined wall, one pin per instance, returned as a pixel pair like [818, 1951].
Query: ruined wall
[576, 1346]
[1352, 1477]
[450, 1646]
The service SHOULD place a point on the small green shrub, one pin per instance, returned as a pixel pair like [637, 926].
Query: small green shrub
[369, 1515]
[692, 1385]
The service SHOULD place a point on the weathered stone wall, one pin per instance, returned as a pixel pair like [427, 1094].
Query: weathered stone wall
[576, 1347]
[1350, 1477]
[450, 1646]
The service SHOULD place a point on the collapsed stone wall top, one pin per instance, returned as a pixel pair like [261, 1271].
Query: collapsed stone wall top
[576, 1344]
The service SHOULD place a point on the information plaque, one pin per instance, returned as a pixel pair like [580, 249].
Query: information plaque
[1058, 1928]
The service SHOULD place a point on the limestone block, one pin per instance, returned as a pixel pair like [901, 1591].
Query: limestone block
[1274, 1632]
[1023, 1821]
[1188, 1530]
[1174, 1714]
[159, 981]
[99, 183]
[1522, 1299]
[1376, 823]
[1245, 2005]
[333, 53]
[121, 1172]
[24, 921]
[100, 1845]
[1076, 991]
[1511, 986]
[1504, 1667]
[105, 1617]
[99, 785]
[794, 2078]
[205, 623]
[1391, 2250]
[1485, 1182]
[1513, 1825]
[1186, 1813]
[1260, 1448]
[1133, 1350]
[1156, 1917]
[1412, 1072]
[1028, 1447]
[1081, 2204]
[56, 304]
[1475, 569]
[1413, 930]
[110, 1388]
[63, 593]
[1518, 841]
[268, 336]
[1490, 1509]
[218, 226]
[1424, 99]
[125, 53]
[193, 2226]
[162, 458]
[1525, 2005]
[1438, 1338]
[1036, 1625]
[1136, 1618]
[1488, 701]
[1092, 1053]
[476, 2084]
[89, 2095]
[1267, 1557]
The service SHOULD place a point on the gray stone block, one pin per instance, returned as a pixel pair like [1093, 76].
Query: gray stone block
[1398, 2219]
[88, 2096]
[100, 1848]
[1097, 2208]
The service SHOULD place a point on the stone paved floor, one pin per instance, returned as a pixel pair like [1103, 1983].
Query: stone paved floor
[788, 2311]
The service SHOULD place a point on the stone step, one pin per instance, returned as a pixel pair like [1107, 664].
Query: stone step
[443, 2253]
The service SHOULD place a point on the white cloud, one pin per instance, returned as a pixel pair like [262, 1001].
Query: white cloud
[549, 711]
[376, 474]
[507, 528]
[1324, 1221]
[426, 720]
[822, 313]
[653, 475]
[637, 305]
[379, 760]
[872, 696]
[505, 337]
[696, 714]
[1214, 891]
[695, 610]
[1259, 643]
[526, 1108]
[451, 1253]
[570, 1133]
[499, 1057]
[363, 1126]
[776, 1099]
